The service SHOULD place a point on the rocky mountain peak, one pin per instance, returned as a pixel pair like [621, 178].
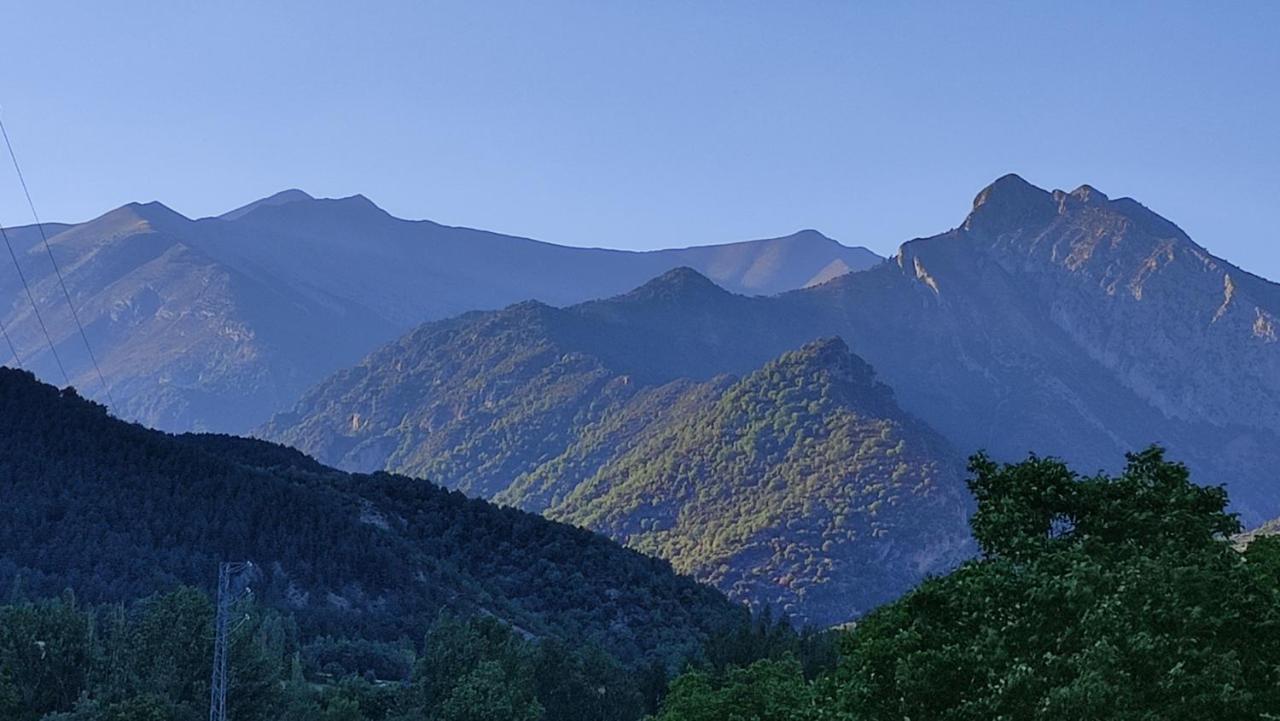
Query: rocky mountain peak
[1009, 202]
[1007, 191]
[1089, 195]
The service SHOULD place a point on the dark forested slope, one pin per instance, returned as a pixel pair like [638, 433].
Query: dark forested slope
[116, 511]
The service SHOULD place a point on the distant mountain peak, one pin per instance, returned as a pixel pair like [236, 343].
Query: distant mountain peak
[1089, 195]
[153, 208]
[1006, 189]
[356, 205]
[1010, 202]
[678, 284]
[284, 197]
[153, 214]
[358, 199]
[1150, 220]
[812, 234]
[289, 196]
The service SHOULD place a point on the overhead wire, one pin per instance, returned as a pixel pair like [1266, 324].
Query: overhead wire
[13, 349]
[57, 272]
[35, 309]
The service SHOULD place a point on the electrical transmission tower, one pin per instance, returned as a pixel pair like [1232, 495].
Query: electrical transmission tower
[232, 586]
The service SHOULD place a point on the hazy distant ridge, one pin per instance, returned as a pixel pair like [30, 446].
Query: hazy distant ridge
[214, 323]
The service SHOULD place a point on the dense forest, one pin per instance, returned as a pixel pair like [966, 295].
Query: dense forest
[1100, 597]
[117, 512]
[801, 486]
[150, 661]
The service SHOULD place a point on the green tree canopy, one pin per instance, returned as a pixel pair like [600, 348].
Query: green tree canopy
[1097, 598]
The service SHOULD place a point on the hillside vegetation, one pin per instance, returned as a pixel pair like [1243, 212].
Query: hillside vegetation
[117, 512]
[800, 486]
[1097, 597]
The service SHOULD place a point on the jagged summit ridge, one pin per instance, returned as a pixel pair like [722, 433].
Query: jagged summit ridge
[1009, 202]
[1008, 189]
[1089, 195]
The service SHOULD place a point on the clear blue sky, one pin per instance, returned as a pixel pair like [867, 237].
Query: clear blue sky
[647, 124]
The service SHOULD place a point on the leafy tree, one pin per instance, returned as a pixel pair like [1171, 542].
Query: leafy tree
[768, 690]
[584, 685]
[45, 651]
[773, 637]
[1263, 553]
[342, 708]
[1028, 509]
[168, 647]
[486, 693]
[1097, 598]
[473, 670]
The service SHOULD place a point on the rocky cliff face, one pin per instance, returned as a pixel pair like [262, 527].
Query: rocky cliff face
[1188, 332]
[1075, 325]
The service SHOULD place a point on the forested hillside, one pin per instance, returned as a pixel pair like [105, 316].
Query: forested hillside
[476, 401]
[1095, 597]
[800, 486]
[116, 512]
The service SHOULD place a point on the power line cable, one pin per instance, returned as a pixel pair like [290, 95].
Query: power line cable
[34, 308]
[48, 249]
[17, 359]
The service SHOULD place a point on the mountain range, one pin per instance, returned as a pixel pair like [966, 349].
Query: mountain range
[214, 324]
[1058, 323]
[788, 431]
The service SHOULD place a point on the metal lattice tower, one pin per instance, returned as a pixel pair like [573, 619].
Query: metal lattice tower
[228, 593]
